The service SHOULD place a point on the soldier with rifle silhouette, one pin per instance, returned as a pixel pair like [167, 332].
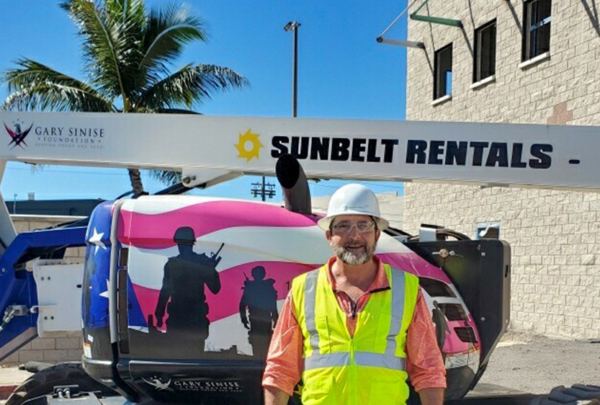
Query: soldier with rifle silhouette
[183, 288]
[260, 302]
[441, 325]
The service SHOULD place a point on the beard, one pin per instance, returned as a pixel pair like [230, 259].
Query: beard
[354, 258]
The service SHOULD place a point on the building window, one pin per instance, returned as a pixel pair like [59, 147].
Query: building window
[487, 230]
[536, 28]
[443, 72]
[485, 52]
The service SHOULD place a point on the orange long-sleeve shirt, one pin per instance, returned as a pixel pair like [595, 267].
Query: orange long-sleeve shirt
[424, 362]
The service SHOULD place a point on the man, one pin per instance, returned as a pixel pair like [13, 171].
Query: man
[185, 276]
[259, 301]
[355, 329]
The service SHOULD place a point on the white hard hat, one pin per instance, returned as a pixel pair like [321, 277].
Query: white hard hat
[353, 199]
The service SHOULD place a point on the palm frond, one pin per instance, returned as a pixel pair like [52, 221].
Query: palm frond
[133, 10]
[168, 178]
[130, 19]
[190, 85]
[35, 86]
[167, 32]
[104, 45]
[54, 97]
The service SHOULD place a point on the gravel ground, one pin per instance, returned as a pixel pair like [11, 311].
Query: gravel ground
[536, 364]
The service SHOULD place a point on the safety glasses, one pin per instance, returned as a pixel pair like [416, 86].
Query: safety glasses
[345, 227]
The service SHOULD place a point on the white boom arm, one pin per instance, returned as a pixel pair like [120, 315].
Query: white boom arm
[209, 150]
[212, 149]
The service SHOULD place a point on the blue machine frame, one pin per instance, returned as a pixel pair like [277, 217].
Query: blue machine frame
[18, 285]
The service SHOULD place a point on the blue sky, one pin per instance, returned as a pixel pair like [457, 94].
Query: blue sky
[343, 73]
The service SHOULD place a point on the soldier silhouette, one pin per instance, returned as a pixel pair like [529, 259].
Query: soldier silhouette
[185, 276]
[260, 301]
[441, 324]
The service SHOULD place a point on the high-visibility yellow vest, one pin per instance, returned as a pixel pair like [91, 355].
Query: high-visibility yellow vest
[367, 369]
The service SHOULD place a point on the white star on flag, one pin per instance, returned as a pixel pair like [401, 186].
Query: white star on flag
[105, 293]
[96, 239]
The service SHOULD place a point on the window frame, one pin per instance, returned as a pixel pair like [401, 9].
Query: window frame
[528, 30]
[483, 226]
[435, 73]
[477, 70]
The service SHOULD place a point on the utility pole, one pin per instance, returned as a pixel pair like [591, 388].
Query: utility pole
[293, 26]
[263, 190]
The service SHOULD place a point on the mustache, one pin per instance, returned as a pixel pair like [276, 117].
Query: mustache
[355, 242]
[347, 245]
[353, 258]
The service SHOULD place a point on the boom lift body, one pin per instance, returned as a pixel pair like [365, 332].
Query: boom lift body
[161, 307]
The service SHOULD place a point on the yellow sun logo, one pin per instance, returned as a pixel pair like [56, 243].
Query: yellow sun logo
[248, 146]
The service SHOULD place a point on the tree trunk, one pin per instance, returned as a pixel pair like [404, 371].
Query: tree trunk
[136, 182]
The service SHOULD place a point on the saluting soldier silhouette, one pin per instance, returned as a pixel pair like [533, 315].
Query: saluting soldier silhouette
[184, 281]
[259, 301]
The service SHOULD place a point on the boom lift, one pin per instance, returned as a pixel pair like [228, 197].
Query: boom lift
[153, 334]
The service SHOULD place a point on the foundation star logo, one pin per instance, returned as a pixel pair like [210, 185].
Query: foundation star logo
[248, 146]
[157, 383]
[18, 134]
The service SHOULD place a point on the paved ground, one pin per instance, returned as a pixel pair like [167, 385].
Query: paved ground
[12, 376]
[537, 364]
[521, 362]
[9, 378]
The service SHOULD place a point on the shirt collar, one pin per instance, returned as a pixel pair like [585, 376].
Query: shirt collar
[380, 282]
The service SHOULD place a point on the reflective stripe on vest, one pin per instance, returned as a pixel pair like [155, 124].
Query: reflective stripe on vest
[310, 303]
[388, 360]
[397, 311]
[360, 358]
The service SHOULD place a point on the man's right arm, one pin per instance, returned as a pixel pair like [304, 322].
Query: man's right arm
[284, 361]
[274, 396]
[425, 365]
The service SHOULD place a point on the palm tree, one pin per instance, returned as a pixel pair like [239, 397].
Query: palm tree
[128, 53]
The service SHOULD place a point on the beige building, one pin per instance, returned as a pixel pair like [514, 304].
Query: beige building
[515, 61]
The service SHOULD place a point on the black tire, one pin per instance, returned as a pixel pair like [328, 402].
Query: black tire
[578, 394]
[43, 382]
